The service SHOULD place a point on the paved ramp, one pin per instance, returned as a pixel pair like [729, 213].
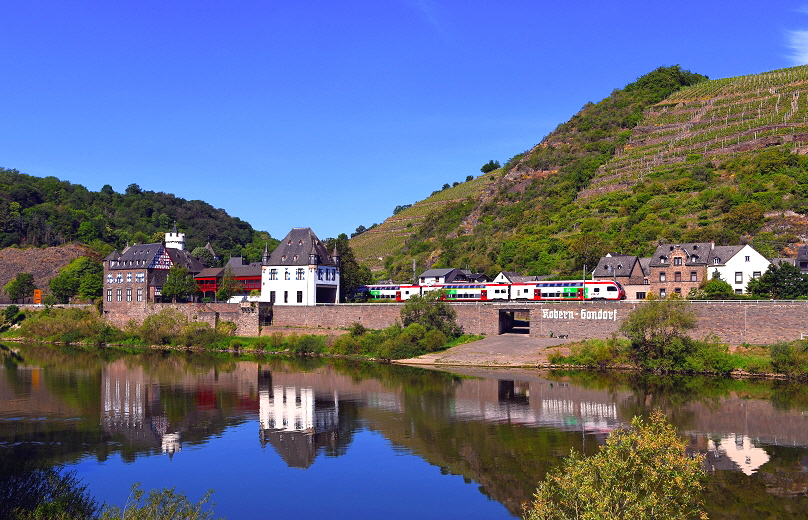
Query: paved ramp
[503, 350]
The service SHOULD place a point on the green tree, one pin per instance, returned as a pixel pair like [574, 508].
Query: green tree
[204, 256]
[179, 284]
[21, 287]
[64, 285]
[82, 276]
[351, 274]
[87, 232]
[643, 472]
[780, 282]
[432, 313]
[228, 286]
[717, 289]
[657, 331]
[490, 166]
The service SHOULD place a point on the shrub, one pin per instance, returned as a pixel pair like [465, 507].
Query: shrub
[433, 340]
[593, 353]
[346, 344]
[163, 327]
[276, 341]
[308, 344]
[642, 472]
[260, 344]
[432, 313]
[197, 334]
[357, 329]
[290, 341]
[68, 325]
[165, 503]
[226, 328]
[657, 332]
[787, 358]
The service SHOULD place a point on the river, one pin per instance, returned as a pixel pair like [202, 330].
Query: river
[312, 438]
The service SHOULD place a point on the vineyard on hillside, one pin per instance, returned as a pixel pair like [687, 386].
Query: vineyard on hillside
[716, 120]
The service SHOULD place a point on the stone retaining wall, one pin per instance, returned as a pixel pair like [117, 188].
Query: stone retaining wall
[733, 322]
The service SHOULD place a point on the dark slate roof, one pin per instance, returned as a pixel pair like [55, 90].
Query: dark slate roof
[157, 277]
[514, 277]
[701, 251]
[778, 261]
[113, 255]
[184, 258]
[644, 264]
[615, 265]
[137, 256]
[253, 269]
[802, 253]
[295, 247]
[448, 274]
[210, 272]
[723, 253]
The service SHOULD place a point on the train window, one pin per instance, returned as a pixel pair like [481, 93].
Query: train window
[611, 288]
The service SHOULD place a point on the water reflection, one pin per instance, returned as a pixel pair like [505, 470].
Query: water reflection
[500, 429]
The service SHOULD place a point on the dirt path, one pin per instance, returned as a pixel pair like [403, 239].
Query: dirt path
[506, 350]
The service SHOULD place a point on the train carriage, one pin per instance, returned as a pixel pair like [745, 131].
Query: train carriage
[565, 290]
[556, 290]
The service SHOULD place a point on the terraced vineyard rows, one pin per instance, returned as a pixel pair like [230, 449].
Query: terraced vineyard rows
[715, 119]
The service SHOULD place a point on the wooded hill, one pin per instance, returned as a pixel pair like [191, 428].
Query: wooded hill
[47, 211]
[671, 157]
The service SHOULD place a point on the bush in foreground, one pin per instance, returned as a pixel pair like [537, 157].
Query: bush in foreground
[165, 503]
[642, 472]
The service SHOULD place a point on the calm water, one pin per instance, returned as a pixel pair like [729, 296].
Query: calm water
[318, 439]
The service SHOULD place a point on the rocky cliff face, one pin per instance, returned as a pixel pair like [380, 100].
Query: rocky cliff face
[43, 263]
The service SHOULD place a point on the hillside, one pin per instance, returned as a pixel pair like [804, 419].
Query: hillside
[43, 263]
[670, 157]
[47, 211]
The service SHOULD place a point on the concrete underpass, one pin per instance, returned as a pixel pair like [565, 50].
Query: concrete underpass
[514, 321]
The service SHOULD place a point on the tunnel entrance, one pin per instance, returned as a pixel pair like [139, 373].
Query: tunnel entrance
[514, 321]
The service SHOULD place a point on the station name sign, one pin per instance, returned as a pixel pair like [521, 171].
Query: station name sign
[583, 314]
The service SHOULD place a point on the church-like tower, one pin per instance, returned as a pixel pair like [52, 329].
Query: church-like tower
[175, 239]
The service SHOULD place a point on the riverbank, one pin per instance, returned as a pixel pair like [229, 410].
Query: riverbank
[504, 350]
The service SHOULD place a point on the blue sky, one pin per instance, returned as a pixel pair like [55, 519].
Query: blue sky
[329, 114]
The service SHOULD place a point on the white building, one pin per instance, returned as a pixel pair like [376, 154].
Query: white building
[736, 265]
[300, 271]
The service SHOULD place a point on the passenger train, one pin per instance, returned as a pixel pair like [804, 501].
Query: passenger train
[557, 290]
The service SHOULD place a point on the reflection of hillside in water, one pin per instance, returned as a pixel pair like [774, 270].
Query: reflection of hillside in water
[502, 429]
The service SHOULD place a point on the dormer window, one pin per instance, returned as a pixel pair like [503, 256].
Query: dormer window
[300, 242]
[694, 258]
[283, 258]
[716, 260]
[289, 243]
[661, 259]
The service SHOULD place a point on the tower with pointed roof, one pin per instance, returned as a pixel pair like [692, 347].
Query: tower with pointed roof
[300, 271]
[175, 239]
